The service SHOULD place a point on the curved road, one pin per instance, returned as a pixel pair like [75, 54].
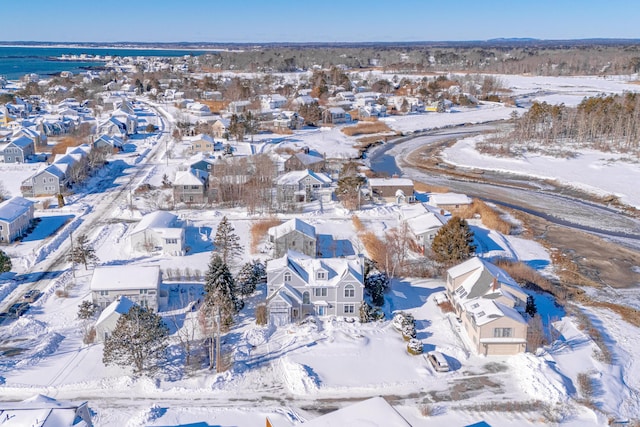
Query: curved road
[555, 204]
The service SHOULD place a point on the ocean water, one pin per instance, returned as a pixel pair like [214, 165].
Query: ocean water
[15, 61]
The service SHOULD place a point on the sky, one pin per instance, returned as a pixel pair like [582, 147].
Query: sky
[320, 21]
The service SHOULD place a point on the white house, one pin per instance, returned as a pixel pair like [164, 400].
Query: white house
[158, 230]
[15, 217]
[141, 284]
[299, 286]
[108, 319]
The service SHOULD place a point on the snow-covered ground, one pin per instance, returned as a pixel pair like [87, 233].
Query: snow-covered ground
[292, 373]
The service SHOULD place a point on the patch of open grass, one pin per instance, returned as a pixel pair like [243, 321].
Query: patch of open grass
[490, 217]
[366, 128]
[259, 230]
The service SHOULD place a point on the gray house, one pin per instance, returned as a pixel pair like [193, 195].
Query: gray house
[295, 235]
[301, 186]
[48, 181]
[299, 286]
[19, 150]
[15, 217]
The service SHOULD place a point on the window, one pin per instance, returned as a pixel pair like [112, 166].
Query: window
[475, 305]
[481, 313]
[319, 292]
[171, 241]
[287, 277]
[305, 297]
[194, 187]
[321, 275]
[143, 291]
[502, 332]
[104, 293]
[349, 309]
[349, 291]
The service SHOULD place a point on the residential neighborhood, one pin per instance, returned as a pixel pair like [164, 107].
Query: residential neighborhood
[314, 244]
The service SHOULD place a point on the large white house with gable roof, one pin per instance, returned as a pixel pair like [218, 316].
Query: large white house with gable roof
[299, 286]
[158, 230]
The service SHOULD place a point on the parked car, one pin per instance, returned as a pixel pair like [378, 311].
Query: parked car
[32, 295]
[438, 361]
[18, 309]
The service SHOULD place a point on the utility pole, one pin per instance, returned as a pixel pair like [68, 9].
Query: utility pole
[73, 262]
[218, 341]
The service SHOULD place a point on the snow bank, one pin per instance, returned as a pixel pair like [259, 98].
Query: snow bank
[299, 379]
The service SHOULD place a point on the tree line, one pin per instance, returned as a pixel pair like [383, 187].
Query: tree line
[605, 123]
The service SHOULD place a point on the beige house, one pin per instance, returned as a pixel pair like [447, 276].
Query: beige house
[202, 143]
[220, 127]
[488, 300]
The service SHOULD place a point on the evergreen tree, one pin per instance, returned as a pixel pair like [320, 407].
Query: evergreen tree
[220, 302]
[5, 262]
[82, 252]
[453, 243]
[138, 340]
[376, 285]
[250, 275]
[226, 242]
[530, 307]
[86, 310]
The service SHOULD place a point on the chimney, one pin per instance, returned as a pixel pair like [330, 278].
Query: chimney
[495, 286]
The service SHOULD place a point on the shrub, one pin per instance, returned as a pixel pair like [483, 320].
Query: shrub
[89, 336]
[414, 346]
[62, 293]
[585, 385]
[261, 315]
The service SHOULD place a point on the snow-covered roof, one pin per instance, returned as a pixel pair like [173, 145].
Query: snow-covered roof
[13, 208]
[44, 411]
[374, 412]
[157, 219]
[187, 178]
[294, 177]
[309, 159]
[203, 137]
[125, 277]
[425, 222]
[291, 225]
[307, 268]
[438, 199]
[121, 305]
[22, 142]
[390, 182]
[485, 311]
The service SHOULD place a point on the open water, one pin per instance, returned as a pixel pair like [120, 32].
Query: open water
[16, 61]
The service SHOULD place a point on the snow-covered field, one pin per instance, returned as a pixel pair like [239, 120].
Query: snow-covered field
[293, 373]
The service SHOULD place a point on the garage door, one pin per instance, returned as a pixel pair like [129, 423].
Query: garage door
[502, 349]
[279, 316]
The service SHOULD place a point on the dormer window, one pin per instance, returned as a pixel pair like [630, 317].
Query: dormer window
[321, 275]
[287, 277]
